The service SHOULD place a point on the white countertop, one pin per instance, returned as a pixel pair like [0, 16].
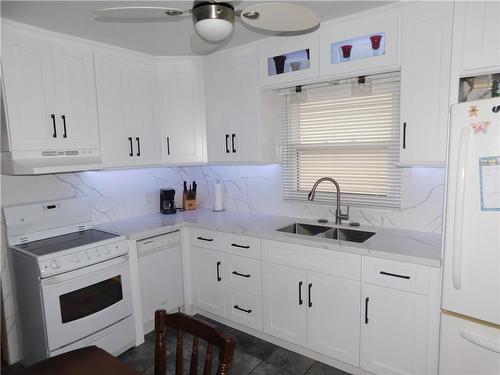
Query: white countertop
[403, 245]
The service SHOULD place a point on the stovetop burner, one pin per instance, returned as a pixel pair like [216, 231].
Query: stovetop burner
[65, 242]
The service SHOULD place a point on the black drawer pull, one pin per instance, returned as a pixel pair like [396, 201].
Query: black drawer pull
[65, 134]
[241, 274]
[138, 146]
[53, 117]
[205, 239]
[394, 275]
[168, 145]
[240, 246]
[310, 299]
[218, 272]
[404, 135]
[244, 310]
[367, 299]
[233, 137]
[227, 145]
[131, 153]
[300, 293]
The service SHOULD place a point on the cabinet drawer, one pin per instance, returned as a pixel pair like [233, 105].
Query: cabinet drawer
[206, 239]
[397, 275]
[244, 308]
[330, 262]
[243, 274]
[242, 245]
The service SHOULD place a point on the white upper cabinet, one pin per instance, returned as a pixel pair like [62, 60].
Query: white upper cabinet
[481, 35]
[182, 110]
[126, 96]
[361, 45]
[426, 31]
[242, 121]
[50, 94]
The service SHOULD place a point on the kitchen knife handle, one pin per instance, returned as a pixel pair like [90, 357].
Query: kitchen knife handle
[53, 117]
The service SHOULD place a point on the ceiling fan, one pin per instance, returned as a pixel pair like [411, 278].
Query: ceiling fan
[214, 20]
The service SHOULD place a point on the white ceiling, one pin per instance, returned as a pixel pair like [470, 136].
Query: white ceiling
[157, 38]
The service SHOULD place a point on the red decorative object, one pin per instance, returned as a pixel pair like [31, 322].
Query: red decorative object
[346, 50]
[375, 39]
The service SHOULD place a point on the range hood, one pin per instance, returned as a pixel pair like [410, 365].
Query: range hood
[45, 162]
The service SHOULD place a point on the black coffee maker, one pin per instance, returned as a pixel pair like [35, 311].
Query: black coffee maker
[167, 201]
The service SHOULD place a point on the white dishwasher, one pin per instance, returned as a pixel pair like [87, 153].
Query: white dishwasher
[160, 275]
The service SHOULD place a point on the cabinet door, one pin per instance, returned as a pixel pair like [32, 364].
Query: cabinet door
[182, 111]
[425, 76]
[481, 46]
[208, 284]
[141, 96]
[116, 147]
[284, 302]
[29, 92]
[333, 317]
[76, 97]
[393, 331]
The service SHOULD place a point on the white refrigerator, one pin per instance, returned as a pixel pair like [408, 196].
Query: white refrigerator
[470, 311]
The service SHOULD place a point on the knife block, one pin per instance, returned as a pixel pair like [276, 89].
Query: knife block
[189, 203]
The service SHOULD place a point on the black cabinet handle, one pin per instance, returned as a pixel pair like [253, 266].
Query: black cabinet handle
[395, 275]
[404, 135]
[367, 299]
[138, 146]
[205, 239]
[131, 147]
[300, 293]
[240, 246]
[53, 117]
[310, 300]
[241, 274]
[244, 310]
[227, 143]
[218, 272]
[65, 134]
[168, 145]
[233, 137]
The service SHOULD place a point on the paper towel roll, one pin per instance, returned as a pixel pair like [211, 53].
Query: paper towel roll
[219, 196]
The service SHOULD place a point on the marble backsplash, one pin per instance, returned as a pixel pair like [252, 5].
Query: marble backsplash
[121, 194]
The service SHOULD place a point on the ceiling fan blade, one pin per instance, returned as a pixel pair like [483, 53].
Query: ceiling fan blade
[139, 12]
[280, 17]
[201, 47]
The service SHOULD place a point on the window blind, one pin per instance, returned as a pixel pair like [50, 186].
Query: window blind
[344, 130]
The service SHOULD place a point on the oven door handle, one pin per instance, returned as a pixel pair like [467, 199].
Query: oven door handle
[97, 267]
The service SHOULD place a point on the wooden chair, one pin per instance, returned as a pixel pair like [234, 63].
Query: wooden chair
[200, 330]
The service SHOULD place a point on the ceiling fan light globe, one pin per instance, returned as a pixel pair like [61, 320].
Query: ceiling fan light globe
[213, 30]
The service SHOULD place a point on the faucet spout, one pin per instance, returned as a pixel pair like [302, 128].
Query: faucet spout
[338, 213]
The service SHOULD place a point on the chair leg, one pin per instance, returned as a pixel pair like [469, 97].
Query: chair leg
[160, 342]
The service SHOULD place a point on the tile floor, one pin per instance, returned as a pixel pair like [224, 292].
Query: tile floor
[252, 356]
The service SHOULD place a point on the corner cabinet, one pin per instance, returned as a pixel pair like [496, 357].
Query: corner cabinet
[242, 122]
[128, 117]
[182, 110]
[50, 94]
[426, 31]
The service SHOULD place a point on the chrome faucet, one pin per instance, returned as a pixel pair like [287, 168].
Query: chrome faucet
[339, 216]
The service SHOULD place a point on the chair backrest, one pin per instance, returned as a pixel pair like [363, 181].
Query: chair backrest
[200, 330]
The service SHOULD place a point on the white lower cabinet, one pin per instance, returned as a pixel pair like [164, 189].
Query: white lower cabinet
[208, 284]
[333, 317]
[394, 331]
[284, 305]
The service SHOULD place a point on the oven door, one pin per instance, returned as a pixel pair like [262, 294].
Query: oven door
[82, 302]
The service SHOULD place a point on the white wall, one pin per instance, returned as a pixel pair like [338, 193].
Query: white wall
[122, 194]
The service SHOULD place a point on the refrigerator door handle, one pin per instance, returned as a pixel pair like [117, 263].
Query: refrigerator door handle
[459, 207]
[469, 336]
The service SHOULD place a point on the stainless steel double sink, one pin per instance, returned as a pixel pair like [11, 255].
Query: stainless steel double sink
[350, 235]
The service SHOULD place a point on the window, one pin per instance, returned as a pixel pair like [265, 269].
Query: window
[347, 130]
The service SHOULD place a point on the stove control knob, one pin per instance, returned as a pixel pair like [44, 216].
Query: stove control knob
[55, 264]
